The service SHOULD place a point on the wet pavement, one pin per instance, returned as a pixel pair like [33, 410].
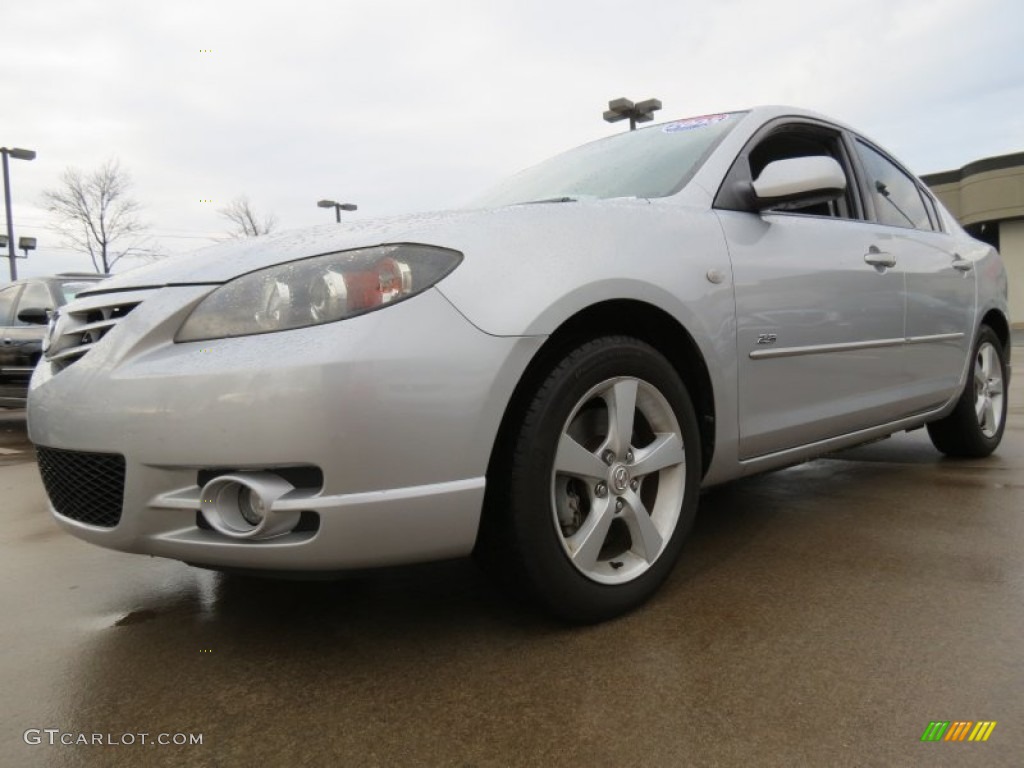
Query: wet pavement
[823, 615]
[14, 445]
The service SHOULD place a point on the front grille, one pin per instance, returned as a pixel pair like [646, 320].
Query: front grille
[87, 487]
[80, 325]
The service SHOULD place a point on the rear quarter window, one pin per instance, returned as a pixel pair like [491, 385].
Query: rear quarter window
[68, 291]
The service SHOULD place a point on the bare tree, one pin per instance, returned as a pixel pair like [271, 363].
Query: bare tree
[97, 214]
[245, 221]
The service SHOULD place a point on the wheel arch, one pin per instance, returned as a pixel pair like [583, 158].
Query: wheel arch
[617, 317]
[997, 321]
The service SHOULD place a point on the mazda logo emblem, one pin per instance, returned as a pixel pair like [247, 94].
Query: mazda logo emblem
[620, 478]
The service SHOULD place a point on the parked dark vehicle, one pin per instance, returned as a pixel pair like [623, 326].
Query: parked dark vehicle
[25, 308]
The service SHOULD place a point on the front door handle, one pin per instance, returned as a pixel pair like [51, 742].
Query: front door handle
[878, 258]
[7, 342]
[964, 265]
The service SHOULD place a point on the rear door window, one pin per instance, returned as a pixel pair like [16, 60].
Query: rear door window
[896, 197]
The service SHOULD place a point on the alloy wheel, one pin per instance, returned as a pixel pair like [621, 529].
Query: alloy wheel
[988, 389]
[619, 479]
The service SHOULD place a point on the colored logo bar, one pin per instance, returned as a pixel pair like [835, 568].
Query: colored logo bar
[958, 730]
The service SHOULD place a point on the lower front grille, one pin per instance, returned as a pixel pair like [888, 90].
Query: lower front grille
[86, 487]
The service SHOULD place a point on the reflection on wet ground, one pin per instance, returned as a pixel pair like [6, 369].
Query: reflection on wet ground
[823, 615]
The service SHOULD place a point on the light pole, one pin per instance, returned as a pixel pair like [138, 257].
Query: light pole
[338, 207]
[641, 112]
[18, 154]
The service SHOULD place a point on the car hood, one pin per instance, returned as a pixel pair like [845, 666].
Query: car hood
[220, 263]
[526, 268]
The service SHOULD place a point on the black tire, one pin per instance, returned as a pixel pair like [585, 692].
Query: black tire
[963, 434]
[535, 516]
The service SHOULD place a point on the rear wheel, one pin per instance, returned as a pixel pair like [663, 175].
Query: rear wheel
[975, 427]
[597, 488]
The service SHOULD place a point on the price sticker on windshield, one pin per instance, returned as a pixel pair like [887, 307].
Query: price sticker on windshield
[691, 123]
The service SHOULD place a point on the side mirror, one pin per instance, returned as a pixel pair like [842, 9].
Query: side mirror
[34, 315]
[799, 180]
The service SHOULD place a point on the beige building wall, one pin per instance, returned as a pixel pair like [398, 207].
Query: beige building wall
[1011, 246]
[990, 196]
[991, 191]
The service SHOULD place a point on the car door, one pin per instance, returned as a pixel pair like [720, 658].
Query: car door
[819, 328]
[939, 282]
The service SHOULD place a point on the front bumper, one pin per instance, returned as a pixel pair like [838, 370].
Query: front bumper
[397, 408]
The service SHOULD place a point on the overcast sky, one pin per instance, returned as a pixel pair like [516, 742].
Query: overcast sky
[400, 106]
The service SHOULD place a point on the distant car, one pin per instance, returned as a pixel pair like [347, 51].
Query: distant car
[547, 379]
[24, 312]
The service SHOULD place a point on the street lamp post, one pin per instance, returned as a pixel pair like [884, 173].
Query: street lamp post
[18, 154]
[338, 207]
[641, 112]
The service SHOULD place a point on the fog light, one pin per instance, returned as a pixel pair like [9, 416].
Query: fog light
[251, 506]
[241, 505]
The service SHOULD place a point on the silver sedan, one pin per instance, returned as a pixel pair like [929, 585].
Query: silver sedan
[546, 379]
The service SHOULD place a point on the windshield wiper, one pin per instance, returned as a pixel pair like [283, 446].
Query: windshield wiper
[551, 200]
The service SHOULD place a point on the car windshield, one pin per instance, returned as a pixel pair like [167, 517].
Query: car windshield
[652, 162]
[70, 290]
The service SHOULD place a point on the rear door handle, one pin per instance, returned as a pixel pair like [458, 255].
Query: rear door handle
[7, 342]
[877, 258]
[964, 265]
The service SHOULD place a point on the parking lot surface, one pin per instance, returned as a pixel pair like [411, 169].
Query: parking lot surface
[822, 615]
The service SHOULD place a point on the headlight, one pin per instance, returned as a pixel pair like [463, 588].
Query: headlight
[322, 289]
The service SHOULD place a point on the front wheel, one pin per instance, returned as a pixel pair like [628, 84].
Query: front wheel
[588, 510]
[975, 427]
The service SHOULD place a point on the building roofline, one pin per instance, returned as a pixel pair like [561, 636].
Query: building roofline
[997, 163]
